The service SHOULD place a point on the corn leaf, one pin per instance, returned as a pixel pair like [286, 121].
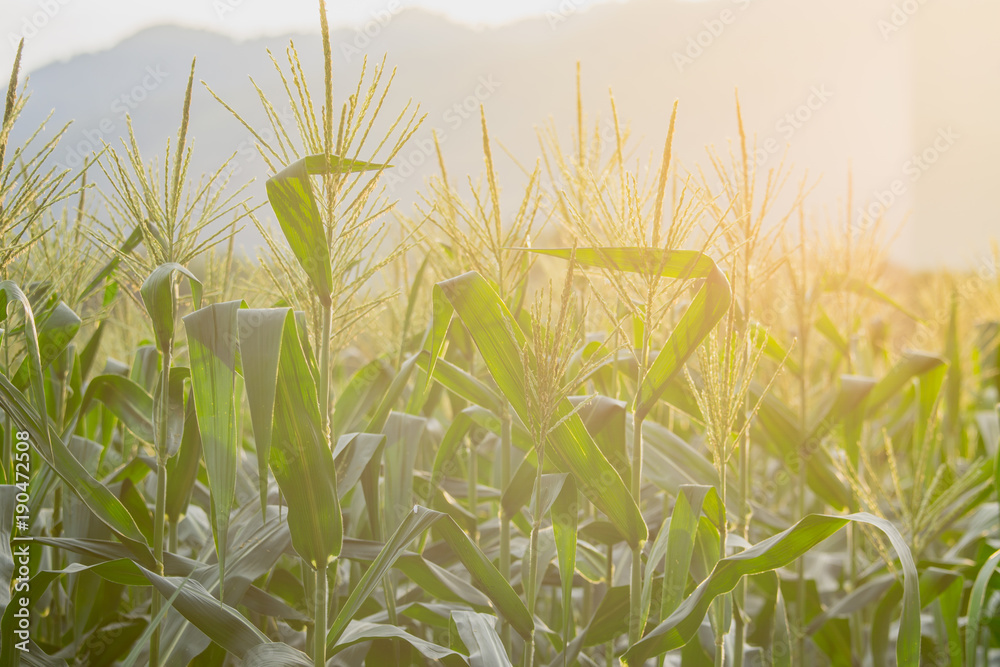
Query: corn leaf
[212, 346]
[500, 341]
[157, 297]
[475, 636]
[977, 605]
[772, 553]
[300, 458]
[259, 338]
[706, 308]
[508, 604]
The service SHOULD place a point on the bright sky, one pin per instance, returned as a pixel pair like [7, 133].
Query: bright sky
[60, 29]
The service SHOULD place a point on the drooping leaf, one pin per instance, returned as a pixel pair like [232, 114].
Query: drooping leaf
[260, 339]
[212, 346]
[56, 332]
[157, 295]
[361, 631]
[300, 457]
[125, 399]
[772, 553]
[291, 196]
[475, 635]
[223, 624]
[94, 495]
[275, 655]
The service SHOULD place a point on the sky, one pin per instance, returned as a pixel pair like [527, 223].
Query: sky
[59, 29]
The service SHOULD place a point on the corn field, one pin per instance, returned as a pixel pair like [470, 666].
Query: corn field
[652, 414]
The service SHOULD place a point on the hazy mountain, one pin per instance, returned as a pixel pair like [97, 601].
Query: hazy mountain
[824, 78]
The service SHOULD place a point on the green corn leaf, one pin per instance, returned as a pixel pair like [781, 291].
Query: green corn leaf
[125, 399]
[54, 452]
[212, 345]
[362, 631]
[89, 352]
[433, 343]
[977, 605]
[143, 639]
[182, 470]
[508, 604]
[122, 571]
[259, 333]
[996, 464]
[781, 641]
[950, 604]
[157, 297]
[361, 394]
[706, 308]
[679, 547]
[221, 623]
[353, 454]
[275, 655]
[403, 434]
[565, 523]
[461, 383]
[55, 333]
[570, 445]
[912, 364]
[611, 618]
[829, 330]
[10, 292]
[475, 635]
[175, 408]
[774, 350]
[291, 196]
[772, 553]
[300, 458]
[933, 582]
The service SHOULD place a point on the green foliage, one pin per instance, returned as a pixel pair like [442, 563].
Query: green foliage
[346, 458]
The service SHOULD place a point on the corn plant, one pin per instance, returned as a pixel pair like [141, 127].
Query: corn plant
[622, 420]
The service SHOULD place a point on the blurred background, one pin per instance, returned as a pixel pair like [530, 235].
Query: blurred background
[889, 105]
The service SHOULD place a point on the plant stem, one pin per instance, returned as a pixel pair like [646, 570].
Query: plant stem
[320, 588]
[159, 513]
[319, 617]
[532, 558]
[635, 587]
[720, 602]
[505, 472]
[473, 489]
[801, 493]
[161, 501]
[743, 502]
[609, 574]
